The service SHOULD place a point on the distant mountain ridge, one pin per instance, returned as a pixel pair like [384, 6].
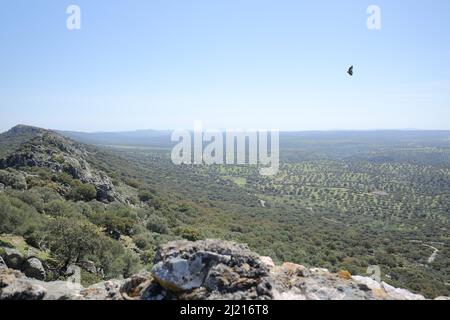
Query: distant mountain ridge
[288, 139]
[152, 138]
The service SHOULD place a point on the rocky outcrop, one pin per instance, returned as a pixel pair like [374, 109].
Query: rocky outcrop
[211, 269]
[48, 149]
[108, 290]
[214, 269]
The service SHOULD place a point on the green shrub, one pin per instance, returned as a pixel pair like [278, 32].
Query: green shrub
[31, 198]
[158, 225]
[84, 192]
[58, 158]
[113, 222]
[134, 183]
[59, 208]
[70, 240]
[33, 182]
[115, 260]
[143, 241]
[184, 208]
[65, 179]
[88, 279]
[17, 217]
[189, 233]
[44, 173]
[145, 195]
[13, 179]
[147, 257]
[156, 203]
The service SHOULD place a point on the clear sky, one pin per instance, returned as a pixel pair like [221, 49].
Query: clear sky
[161, 64]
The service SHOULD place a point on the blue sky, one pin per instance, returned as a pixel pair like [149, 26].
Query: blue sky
[162, 64]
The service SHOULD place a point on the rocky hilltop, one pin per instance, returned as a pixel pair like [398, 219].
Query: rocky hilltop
[208, 270]
[40, 148]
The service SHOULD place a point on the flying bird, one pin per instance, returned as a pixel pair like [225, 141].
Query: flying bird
[350, 71]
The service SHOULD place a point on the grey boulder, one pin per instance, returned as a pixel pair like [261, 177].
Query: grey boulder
[180, 274]
[14, 286]
[33, 268]
[209, 269]
[13, 258]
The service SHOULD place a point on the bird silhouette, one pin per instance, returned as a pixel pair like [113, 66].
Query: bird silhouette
[350, 71]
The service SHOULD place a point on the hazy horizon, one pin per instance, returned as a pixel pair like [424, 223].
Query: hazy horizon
[223, 129]
[231, 64]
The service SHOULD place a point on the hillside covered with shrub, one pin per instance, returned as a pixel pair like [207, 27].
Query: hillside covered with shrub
[58, 202]
[335, 205]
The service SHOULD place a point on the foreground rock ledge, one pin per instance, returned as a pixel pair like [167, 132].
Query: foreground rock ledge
[210, 269]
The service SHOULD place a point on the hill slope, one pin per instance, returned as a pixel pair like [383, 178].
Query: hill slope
[55, 198]
[38, 148]
[316, 213]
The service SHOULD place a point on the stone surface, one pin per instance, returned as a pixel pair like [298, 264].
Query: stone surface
[344, 274]
[400, 294]
[133, 288]
[180, 274]
[293, 269]
[2, 264]
[33, 268]
[62, 290]
[107, 290]
[13, 258]
[218, 268]
[268, 262]
[14, 286]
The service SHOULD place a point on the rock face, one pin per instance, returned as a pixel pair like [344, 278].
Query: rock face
[211, 269]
